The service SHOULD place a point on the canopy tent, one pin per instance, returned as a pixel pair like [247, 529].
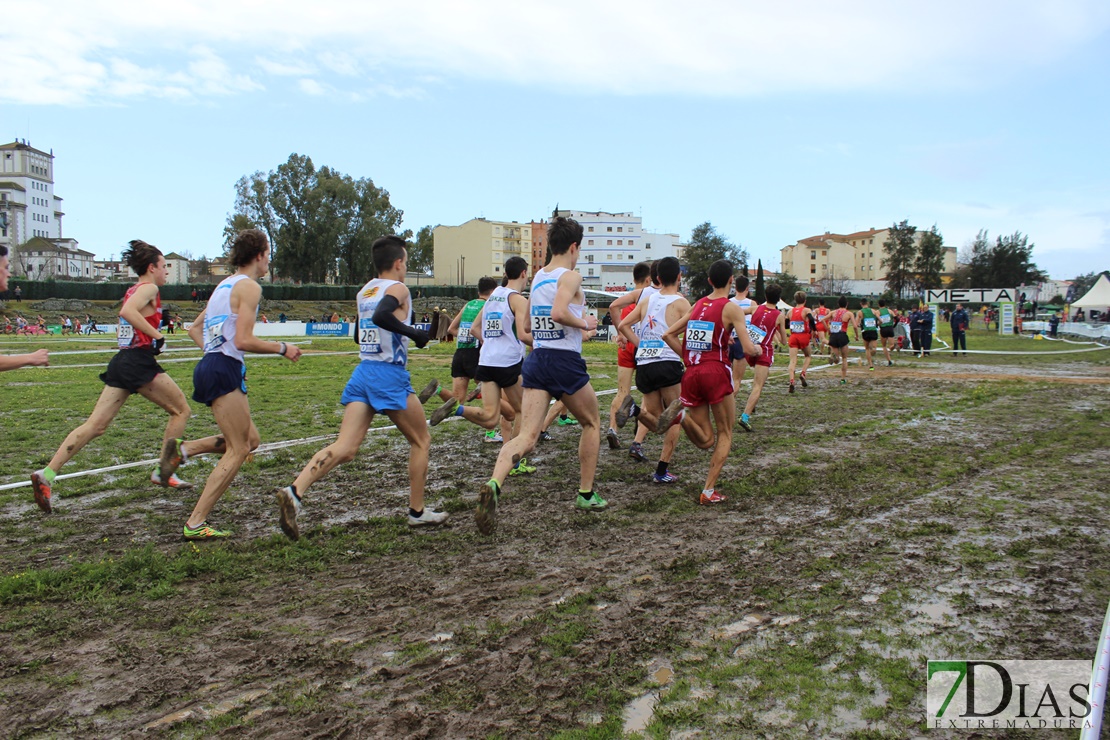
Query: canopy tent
[1097, 297]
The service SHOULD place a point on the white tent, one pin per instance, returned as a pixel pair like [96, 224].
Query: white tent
[1097, 297]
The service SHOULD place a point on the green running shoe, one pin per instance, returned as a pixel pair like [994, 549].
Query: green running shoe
[593, 503]
[203, 532]
[566, 421]
[522, 468]
[486, 516]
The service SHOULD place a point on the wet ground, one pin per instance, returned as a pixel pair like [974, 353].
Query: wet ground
[944, 511]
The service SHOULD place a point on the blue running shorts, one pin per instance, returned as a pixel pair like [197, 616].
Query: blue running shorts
[380, 385]
[217, 375]
[556, 371]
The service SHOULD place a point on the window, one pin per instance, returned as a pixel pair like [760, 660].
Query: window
[870, 254]
[608, 256]
[620, 242]
[813, 254]
[590, 258]
[631, 257]
[590, 242]
[620, 228]
[813, 269]
[590, 229]
[824, 253]
[590, 272]
[647, 246]
[871, 242]
[608, 242]
[608, 228]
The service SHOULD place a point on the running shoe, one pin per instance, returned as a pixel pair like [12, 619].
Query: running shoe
[545, 437]
[486, 516]
[523, 468]
[613, 439]
[493, 436]
[592, 503]
[172, 482]
[289, 506]
[636, 452]
[889, 363]
[566, 421]
[667, 477]
[844, 381]
[430, 390]
[172, 458]
[871, 368]
[42, 490]
[746, 422]
[624, 411]
[802, 377]
[203, 532]
[671, 415]
[791, 386]
[443, 412]
[428, 519]
[708, 499]
[476, 393]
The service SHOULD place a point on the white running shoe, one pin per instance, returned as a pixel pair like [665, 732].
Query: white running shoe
[428, 519]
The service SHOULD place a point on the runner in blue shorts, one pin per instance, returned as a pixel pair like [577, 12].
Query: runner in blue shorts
[554, 369]
[380, 383]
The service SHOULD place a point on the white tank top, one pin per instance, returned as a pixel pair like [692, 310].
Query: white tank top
[374, 343]
[219, 321]
[546, 332]
[500, 346]
[652, 348]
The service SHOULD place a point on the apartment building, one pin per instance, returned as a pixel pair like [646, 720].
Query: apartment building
[828, 260]
[479, 248]
[28, 206]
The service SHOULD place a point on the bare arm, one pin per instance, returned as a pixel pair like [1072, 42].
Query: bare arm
[453, 329]
[244, 301]
[569, 282]
[625, 328]
[625, 300]
[733, 316]
[12, 362]
[196, 329]
[674, 330]
[132, 309]
[519, 304]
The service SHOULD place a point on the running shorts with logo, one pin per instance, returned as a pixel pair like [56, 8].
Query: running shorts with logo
[800, 341]
[839, 339]
[556, 371]
[656, 376]
[382, 386]
[465, 362]
[217, 375]
[706, 384]
[503, 377]
[131, 369]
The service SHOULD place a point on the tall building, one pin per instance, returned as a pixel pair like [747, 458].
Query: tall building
[613, 244]
[478, 248]
[539, 246]
[827, 261]
[28, 206]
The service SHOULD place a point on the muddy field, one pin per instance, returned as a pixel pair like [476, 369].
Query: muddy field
[948, 511]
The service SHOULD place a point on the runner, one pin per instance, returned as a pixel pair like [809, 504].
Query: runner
[658, 368]
[134, 369]
[800, 337]
[554, 368]
[502, 327]
[225, 330]
[735, 350]
[888, 317]
[819, 315]
[707, 382]
[838, 322]
[626, 357]
[39, 357]
[868, 319]
[628, 407]
[464, 364]
[765, 325]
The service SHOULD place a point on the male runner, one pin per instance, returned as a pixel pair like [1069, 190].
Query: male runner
[658, 368]
[133, 369]
[502, 326]
[838, 322]
[628, 408]
[764, 325]
[888, 317]
[554, 369]
[464, 363]
[822, 328]
[380, 383]
[707, 383]
[735, 350]
[626, 355]
[11, 362]
[800, 337]
[225, 330]
[868, 319]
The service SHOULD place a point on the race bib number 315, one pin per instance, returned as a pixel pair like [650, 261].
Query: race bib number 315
[699, 336]
[214, 332]
[544, 327]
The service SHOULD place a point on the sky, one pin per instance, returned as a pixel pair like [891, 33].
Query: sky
[772, 121]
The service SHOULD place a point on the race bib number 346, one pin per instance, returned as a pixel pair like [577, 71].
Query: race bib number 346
[492, 325]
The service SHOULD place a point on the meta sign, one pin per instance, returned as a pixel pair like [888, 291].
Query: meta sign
[970, 295]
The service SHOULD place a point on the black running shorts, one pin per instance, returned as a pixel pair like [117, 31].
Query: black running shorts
[870, 335]
[655, 376]
[838, 340]
[465, 362]
[131, 369]
[504, 377]
[886, 332]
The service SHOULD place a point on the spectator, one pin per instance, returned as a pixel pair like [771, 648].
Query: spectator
[195, 295]
[915, 330]
[281, 317]
[334, 317]
[1054, 324]
[959, 320]
[18, 294]
[1079, 315]
[262, 319]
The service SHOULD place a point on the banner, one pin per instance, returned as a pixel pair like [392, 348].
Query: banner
[970, 295]
[328, 330]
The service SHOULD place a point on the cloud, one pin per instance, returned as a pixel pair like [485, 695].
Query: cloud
[128, 48]
[310, 87]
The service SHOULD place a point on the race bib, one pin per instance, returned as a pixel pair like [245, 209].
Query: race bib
[214, 332]
[797, 327]
[869, 323]
[650, 349]
[492, 326]
[464, 339]
[125, 334]
[544, 327]
[699, 336]
[836, 326]
[756, 333]
[369, 337]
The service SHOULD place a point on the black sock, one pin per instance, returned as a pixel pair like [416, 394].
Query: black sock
[563, 417]
[586, 494]
[293, 488]
[635, 410]
[661, 468]
[414, 513]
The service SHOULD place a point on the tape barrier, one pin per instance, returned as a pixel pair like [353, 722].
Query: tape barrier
[1097, 687]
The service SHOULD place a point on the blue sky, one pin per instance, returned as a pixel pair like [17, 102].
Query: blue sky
[773, 123]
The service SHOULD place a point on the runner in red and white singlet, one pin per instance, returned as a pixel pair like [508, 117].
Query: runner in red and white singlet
[766, 326]
[800, 336]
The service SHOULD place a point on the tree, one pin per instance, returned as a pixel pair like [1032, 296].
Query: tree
[421, 258]
[898, 259]
[706, 246]
[835, 282]
[789, 284]
[930, 260]
[236, 222]
[1007, 263]
[1080, 285]
[760, 294]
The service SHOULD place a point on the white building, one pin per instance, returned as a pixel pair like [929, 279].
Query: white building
[58, 259]
[612, 245]
[28, 206]
[179, 268]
